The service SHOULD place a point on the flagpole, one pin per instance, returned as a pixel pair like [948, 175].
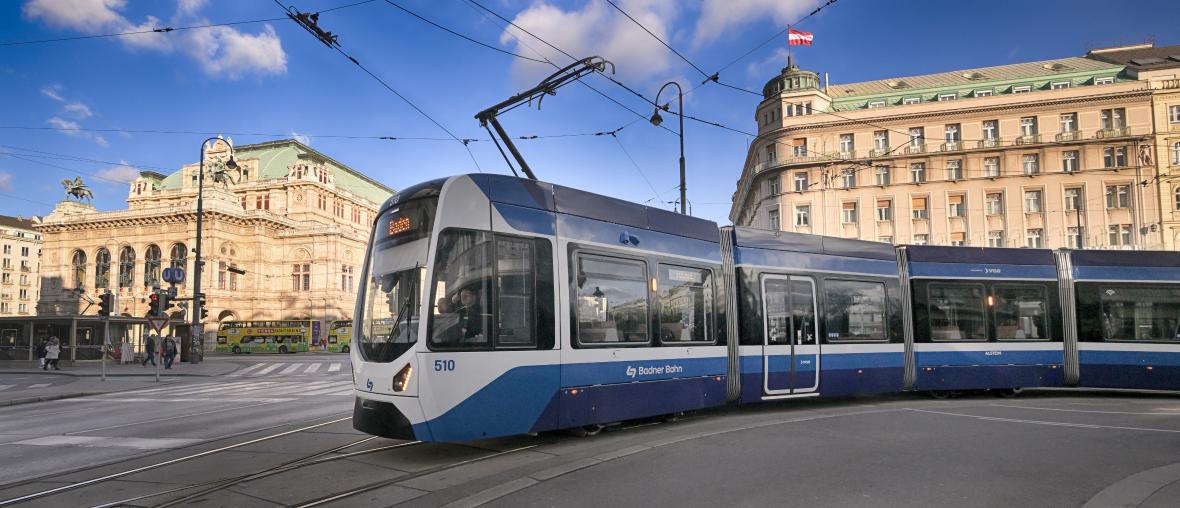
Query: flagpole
[788, 45]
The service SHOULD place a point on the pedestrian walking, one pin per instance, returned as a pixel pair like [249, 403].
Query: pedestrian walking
[169, 352]
[149, 351]
[41, 354]
[52, 351]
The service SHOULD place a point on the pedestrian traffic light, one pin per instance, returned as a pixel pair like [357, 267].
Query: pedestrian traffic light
[105, 304]
[154, 304]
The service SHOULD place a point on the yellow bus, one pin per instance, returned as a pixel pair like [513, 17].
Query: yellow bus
[290, 336]
[340, 336]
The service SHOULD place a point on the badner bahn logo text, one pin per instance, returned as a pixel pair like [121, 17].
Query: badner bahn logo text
[633, 371]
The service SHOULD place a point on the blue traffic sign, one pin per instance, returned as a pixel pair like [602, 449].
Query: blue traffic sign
[174, 275]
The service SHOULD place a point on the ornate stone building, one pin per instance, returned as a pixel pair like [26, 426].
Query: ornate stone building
[1159, 68]
[1040, 154]
[20, 267]
[295, 220]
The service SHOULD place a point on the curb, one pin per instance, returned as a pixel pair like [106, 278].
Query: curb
[81, 374]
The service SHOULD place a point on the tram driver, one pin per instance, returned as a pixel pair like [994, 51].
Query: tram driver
[459, 320]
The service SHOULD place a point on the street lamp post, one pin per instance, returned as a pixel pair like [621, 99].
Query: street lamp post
[195, 333]
[656, 120]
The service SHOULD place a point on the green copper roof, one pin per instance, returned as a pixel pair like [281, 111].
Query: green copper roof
[276, 157]
[964, 83]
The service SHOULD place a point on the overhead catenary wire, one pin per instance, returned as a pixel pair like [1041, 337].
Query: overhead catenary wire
[656, 37]
[457, 34]
[336, 46]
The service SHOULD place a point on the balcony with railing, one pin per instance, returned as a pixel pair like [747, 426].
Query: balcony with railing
[1027, 139]
[988, 143]
[914, 149]
[881, 152]
[1068, 136]
[952, 146]
[1116, 132]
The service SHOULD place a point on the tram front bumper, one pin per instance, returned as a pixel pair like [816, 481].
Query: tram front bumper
[381, 419]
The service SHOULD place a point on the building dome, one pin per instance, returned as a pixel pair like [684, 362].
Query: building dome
[792, 79]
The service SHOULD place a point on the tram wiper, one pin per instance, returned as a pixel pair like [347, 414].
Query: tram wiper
[404, 312]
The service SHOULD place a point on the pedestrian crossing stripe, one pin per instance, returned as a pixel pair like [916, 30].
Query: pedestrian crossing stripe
[215, 391]
[285, 369]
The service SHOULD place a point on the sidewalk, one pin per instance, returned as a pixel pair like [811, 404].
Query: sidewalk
[87, 374]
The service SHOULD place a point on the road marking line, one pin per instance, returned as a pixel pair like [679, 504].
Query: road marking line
[299, 389]
[335, 387]
[40, 385]
[290, 370]
[166, 388]
[267, 370]
[110, 442]
[243, 372]
[1052, 424]
[1084, 410]
[5, 387]
[335, 367]
[492, 494]
[207, 389]
[311, 369]
[222, 399]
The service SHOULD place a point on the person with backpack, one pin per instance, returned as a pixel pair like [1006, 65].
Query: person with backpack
[149, 351]
[169, 352]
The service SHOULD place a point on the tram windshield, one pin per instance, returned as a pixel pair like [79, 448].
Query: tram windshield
[396, 268]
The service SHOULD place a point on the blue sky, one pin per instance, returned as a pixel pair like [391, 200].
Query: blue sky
[274, 78]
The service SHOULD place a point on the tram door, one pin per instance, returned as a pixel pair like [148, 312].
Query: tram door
[790, 351]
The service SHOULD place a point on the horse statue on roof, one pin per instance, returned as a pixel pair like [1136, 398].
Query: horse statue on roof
[77, 189]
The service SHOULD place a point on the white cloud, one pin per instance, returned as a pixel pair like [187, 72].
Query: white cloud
[53, 92]
[302, 138]
[717, 16]
[596, 29]
[73, 129]
[5, 181]
[770, 66]
[121, 173]
[189, 7]
[78, 110]
[83, 15]
[220, 51]
[225, 52]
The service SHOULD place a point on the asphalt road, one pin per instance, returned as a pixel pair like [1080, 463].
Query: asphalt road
[253, 441]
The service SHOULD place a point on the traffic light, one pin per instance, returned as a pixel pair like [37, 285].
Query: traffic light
[105, 304]
[154, 304]
[201, 306]
[166, 302]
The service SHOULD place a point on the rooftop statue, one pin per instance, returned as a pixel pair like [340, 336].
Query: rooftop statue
[77, 189]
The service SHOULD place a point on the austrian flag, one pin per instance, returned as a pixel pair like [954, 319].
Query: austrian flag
[797, 38]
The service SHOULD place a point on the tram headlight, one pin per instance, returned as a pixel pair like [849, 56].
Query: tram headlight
[402, 379]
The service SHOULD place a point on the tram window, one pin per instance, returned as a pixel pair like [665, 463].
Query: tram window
[855, 309]
[516, 292]
[1021, 312]
[460, 318]
[778, 318]
[685, 298]
[611, 300]
[473, 266]
[1147, 313]
[956, 312]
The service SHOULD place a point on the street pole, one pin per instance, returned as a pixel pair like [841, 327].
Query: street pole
[655, 120]
[106, 342]
[195, 333]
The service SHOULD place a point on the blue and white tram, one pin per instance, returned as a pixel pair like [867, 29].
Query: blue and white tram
[818, 315]
[521, 306]
[984, 318]
[1126, 318]
[497, 306]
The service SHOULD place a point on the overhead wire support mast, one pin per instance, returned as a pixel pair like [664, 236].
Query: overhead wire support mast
[547, 86]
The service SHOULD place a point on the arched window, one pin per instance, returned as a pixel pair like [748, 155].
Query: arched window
[102, 269]
[126, 266]
[79, 264]
[151, 266]
[1176, 153]
[179, 256]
